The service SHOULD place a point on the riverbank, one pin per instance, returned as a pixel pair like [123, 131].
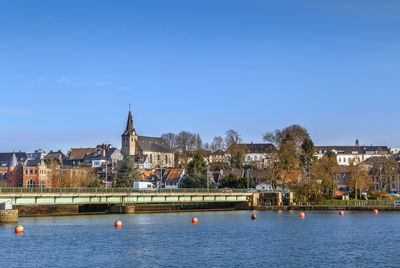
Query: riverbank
[322, 207]
[35, 212]
[136, 212]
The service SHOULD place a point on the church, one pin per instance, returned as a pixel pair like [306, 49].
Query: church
[155, 151]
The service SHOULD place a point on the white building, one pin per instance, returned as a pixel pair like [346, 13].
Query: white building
[355, 154]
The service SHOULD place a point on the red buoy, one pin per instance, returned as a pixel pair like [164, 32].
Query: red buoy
[376, 211]
[195, 220]
[341, 213]
[302, 215]
[19, 229]
[118, 224]
[254, 217]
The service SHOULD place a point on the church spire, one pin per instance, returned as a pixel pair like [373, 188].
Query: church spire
[13, 161]
[129, 124]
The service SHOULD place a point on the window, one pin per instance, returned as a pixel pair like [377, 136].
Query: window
[340, 160]
[151, 158]
[248, 158]
[166, 159]
[30, 184]
[158, 157]
[31, 171]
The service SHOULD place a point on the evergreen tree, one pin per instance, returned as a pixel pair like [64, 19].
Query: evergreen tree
[197, 166]
[127, 174]
[197, 173]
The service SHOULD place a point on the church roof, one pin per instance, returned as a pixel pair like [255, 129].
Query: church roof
[153, 144]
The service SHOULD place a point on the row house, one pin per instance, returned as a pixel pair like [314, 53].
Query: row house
[29, 173]
[352, 154]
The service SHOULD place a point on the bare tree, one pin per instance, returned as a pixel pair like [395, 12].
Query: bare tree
[232, 138]
[171, 139]
[217, 144]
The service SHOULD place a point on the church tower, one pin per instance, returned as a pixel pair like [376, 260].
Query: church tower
[129, 137]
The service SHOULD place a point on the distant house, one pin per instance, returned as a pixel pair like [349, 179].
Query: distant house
[58, 157]
[38, 154]
[77, 156]
[341, 175]
[173, 177]
[257, 154]
[264, 186]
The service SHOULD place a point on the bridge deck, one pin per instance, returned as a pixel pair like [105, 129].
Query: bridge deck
[120, 198]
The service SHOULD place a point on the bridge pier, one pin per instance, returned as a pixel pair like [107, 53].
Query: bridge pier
[127, 209]
[8, 216]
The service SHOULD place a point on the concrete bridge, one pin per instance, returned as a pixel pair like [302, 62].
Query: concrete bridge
[79, 198]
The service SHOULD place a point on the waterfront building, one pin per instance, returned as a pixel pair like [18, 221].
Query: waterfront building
[356, 154]
[154, 149]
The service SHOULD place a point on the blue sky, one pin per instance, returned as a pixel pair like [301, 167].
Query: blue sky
[69, 69]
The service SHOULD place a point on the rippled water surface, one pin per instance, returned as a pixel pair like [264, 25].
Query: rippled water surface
[220, 239]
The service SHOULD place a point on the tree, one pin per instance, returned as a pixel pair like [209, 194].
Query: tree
[297, 133]
[321, 177]
[186, 143]
[196, 173]
[307, 156]
[170, 139]
[197, 166]
[385, 168]
[237, 159]
[195, 181]
[217, 144]
[359, 179]
[232, 181]
[127, 174]
[92, 181]
[232, 141]
[285, 158]
[288, 142]
[232, 138]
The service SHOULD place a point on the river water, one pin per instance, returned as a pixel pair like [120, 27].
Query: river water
[220, 239]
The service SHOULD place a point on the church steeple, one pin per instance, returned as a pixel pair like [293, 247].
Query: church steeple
[129, 137]
[129, 124]
[13, 161]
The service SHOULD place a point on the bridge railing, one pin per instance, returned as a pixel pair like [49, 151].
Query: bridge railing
[120, 190]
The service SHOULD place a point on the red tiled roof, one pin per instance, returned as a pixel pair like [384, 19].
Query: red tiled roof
[173, 174]
[80, 153]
